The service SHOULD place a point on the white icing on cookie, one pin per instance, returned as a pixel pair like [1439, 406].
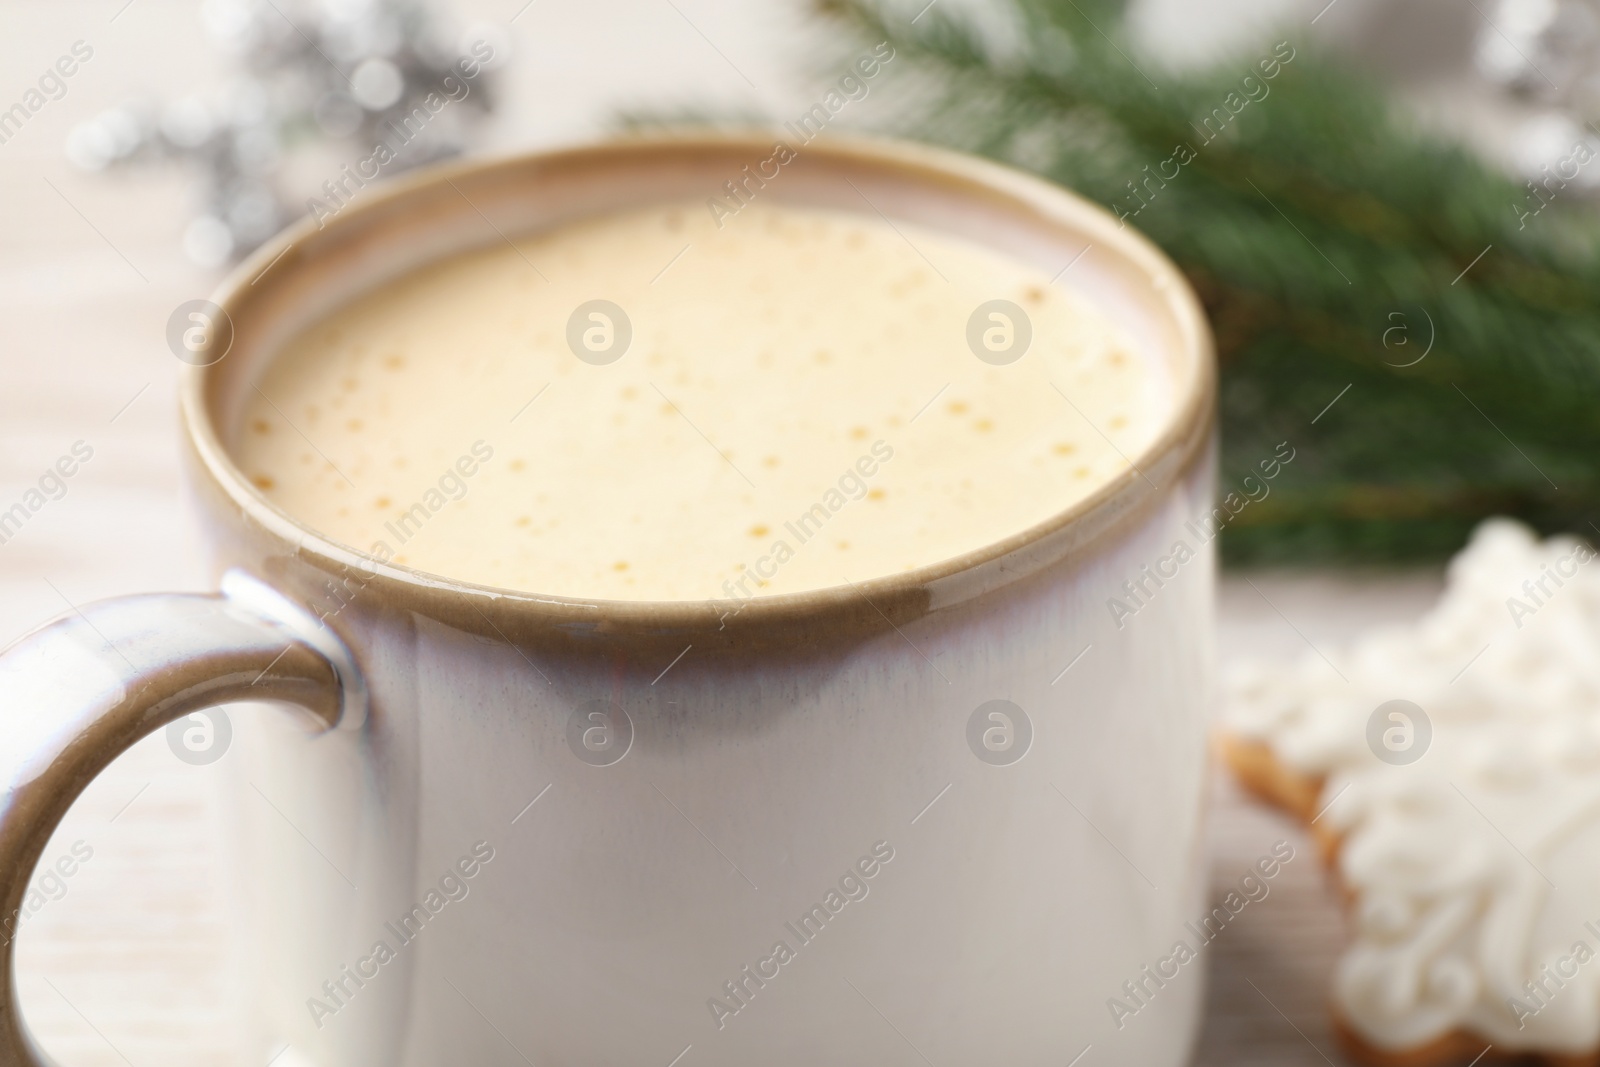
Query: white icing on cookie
[1475, 870]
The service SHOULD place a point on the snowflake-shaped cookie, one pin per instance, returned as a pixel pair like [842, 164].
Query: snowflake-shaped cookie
[1456, 764]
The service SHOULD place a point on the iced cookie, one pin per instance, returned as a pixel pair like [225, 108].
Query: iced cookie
[1451, 770]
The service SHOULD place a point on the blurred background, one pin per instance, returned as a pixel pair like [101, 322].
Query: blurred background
[1387, 205]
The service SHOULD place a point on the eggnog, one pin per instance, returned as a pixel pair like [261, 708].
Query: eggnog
[653, 406]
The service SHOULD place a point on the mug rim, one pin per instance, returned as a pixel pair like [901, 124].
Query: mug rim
[1186, 433]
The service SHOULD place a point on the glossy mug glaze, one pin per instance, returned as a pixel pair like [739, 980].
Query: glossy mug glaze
[942, 816]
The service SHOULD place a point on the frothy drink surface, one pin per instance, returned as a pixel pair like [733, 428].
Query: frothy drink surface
[798, 405]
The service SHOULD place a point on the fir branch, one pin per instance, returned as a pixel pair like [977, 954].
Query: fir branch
[1309, 218]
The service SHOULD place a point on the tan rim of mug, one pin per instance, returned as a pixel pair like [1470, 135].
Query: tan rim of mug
[787, 619]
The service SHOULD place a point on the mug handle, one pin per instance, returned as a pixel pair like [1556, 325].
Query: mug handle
[78, 692]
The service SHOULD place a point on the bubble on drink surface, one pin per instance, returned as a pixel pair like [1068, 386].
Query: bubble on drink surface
[599, 332]
[1399, 732]
[999, 732]
[999, 332]
[200, 738]
[199, 332]
[599, 732]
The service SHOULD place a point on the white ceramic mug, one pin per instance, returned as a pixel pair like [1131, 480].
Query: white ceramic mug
[937, 816]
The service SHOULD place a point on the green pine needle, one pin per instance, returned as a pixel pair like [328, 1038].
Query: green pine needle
[1324, 233]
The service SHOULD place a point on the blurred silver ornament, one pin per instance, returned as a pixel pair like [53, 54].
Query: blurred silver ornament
[1547, 53]
[1544, 49]
[340, 73]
